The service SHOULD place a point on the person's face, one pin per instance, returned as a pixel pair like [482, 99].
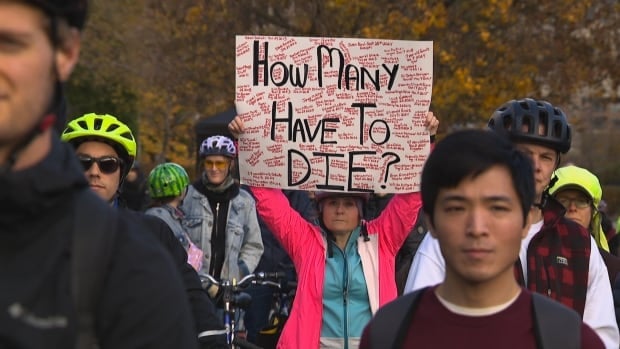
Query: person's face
[544, 161]
[578, 206]
[103, 182]
[340, 214]
[479, 226]
[29, 67]
[217, 168]
[132, 175]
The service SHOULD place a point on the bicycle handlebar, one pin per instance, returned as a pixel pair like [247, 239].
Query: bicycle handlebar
[263, 278]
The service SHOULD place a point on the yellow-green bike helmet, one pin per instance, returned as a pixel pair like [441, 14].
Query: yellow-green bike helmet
[106, 128]
[573, 177]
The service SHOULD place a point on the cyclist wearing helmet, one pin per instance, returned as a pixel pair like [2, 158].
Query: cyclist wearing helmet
[43, 189]
[345, 266]
[168, 184]
[555, 256]
[106, 148]
[220, 217]
[106, 141]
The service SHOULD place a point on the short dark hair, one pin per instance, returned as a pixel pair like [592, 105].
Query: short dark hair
[467, 154]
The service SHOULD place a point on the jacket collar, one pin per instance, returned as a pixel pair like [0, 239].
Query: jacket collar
[28, 193]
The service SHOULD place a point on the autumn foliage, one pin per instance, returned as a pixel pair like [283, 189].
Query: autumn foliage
[164, 65]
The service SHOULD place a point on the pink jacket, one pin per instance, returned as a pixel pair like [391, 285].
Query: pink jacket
[307, 247]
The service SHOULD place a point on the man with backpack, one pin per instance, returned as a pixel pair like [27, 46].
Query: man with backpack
[558, 257]
[54, 232]
[477, 190]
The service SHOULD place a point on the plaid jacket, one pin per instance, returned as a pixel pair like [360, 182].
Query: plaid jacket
[558, 259]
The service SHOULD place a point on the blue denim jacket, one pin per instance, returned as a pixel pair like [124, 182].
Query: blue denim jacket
[168, 215]
[244, 245]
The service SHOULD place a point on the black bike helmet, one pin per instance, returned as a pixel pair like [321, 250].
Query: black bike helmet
[74, 11]
[520, 120]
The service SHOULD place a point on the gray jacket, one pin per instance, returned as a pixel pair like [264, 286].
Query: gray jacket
[244, 245]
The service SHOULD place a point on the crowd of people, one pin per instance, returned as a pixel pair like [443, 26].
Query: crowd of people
[518, 254]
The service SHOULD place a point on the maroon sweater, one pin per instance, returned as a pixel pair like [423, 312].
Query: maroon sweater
[434, 326]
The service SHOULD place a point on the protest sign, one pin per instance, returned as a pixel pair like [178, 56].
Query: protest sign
[332, 113]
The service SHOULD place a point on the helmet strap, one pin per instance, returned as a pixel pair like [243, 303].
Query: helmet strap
[45, 122]
[545, 195]
[54, 33]
[543, 200]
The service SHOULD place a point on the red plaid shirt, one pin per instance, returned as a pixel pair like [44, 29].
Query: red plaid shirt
[558, 259]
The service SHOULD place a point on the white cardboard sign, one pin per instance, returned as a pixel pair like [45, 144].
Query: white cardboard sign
[333, 114]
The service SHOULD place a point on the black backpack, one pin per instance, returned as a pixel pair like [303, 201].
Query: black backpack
[557, 326]
[93, 236]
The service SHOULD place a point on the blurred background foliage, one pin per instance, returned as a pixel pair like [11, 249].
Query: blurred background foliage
[161, 65]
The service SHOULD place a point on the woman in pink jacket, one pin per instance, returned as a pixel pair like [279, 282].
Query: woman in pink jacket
[345, 266]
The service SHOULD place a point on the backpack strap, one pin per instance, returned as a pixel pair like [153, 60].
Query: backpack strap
[556, 326]
[383, 332]
[93, 236]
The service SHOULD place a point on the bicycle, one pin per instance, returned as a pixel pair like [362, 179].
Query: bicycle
[233, 300]
[281, 305]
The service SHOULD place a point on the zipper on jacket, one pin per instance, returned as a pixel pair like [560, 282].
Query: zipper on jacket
[217, 214]
[213, 238]
[345, 298]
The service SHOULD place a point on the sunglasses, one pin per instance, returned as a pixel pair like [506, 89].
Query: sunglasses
[219, 165]
[107, 164]
[578, 202]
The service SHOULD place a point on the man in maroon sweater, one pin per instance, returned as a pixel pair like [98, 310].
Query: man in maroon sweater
[477, 190]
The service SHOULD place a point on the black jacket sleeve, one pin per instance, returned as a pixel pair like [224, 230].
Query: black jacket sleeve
[143, 304]
[209, 327]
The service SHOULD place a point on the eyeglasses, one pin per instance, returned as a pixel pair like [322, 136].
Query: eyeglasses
[107, 164]
[578, 202]
[219, 165]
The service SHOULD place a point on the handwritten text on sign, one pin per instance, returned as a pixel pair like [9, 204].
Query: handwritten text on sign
[333, 114]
